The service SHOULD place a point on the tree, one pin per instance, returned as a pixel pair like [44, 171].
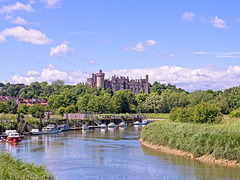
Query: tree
[37, 110]
[124, 101]
[11, 106]
[100, 104]
[60, 111]
[23, 108]
[71, 109]
[3, 107]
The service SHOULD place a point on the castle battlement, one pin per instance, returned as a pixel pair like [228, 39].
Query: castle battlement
[116, 83]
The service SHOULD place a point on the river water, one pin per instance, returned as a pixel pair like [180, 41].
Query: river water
[110, 154]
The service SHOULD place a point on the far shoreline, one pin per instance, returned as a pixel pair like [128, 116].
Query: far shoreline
[205, 158]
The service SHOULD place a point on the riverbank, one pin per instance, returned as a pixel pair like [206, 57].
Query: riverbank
[211, 143]
[11, 168]
[204, 158]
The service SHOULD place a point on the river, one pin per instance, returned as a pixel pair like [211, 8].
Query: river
[110, 154]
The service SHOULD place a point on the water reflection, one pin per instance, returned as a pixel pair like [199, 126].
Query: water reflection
[111, 153]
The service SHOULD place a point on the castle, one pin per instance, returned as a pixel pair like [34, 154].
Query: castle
[116, 83]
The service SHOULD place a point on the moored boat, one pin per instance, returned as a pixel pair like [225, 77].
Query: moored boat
[36, 132]
[112, 125]
[50, 129]
[63, 127]
[123, 124]
[103, 126]
[85, 127]
[137, 123]
[12, 136]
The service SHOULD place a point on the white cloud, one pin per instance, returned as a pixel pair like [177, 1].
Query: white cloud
[141, 46]
[51, 3]
[2, 39]
[165, 56]
[31, 36]
[150, 43]
[61, 50]
[19, 20]
[50, 74]
[17, 7]
[188, 16]
[220, 54]
[219, 23]
[187, 78]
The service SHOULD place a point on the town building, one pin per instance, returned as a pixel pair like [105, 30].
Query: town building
[119, 83]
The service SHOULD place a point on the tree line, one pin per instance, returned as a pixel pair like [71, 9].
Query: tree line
[80, 98]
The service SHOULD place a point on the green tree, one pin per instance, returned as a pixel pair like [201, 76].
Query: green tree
[11, 106]
[71, 109]
[124, 101]
[37, 110]
[60, 111]
[3, 107]
[23, 108]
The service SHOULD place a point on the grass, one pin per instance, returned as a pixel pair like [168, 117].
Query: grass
[220, 140]
[156, 115]
[11, 168]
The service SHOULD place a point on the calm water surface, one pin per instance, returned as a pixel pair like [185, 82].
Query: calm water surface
[110, 154]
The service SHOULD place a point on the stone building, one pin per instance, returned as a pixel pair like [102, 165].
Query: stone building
[118, 83]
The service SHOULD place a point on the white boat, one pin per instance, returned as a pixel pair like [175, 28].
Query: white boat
[63, 127]
[36, 132]
[112, 125]
[123, 124]
[50, 129]
[145, 122]
[85, 127]
[12, 136]
[137, 123]
[103, 126]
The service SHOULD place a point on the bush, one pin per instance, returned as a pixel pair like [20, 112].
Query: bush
[201, 113]
[235, 113]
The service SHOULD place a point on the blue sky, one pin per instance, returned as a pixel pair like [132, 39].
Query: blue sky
[193, 44]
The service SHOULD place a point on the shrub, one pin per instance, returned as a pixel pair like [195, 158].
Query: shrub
[201, 113]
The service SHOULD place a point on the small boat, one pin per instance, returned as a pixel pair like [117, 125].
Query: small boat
[112, 125]
[145, 122]
[137, 123]
[64, 127]
[103, 126]
[36, 132]
[85, 127]
[13, 137]
[123, 124]
[50, 129]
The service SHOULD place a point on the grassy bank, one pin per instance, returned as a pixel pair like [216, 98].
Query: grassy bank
[156, 115]
[11, 168]
[219, 140]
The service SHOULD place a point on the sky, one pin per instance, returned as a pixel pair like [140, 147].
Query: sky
[190, 43]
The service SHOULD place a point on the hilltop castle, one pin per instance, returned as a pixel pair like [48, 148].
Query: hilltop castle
[116, 83]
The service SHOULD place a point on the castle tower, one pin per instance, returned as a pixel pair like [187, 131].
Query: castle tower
[100, 79]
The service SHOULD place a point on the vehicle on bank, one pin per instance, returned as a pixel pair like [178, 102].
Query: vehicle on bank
[145, 122]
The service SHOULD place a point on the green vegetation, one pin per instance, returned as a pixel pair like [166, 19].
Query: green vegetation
[219, 140]
[81, 98]
[11, 168]
[157, 115]
[201, 113]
